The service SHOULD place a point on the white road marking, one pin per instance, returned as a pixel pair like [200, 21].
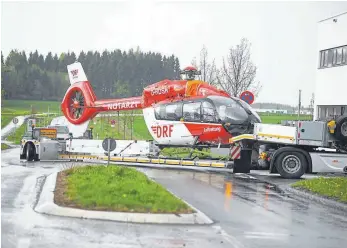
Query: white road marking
[231, 239]
[265, 235]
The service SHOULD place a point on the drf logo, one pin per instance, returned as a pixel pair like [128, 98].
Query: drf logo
[74, 73]
[162, 131]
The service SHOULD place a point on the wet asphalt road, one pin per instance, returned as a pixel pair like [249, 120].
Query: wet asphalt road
[247, 213]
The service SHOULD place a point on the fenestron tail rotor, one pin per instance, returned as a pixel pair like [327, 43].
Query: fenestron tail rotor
[76, 104]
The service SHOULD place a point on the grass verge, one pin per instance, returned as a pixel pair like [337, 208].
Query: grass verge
[6, 119]
[334, 187]
[16, 136]
[4, 146]
[114, 188]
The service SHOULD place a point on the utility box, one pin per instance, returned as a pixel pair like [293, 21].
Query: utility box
[49, 149]
[312, 133]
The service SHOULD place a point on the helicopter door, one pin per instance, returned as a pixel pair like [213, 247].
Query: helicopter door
[168, 127]
[208, 113]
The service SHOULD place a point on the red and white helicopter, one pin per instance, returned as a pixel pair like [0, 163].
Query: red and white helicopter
[184, 112]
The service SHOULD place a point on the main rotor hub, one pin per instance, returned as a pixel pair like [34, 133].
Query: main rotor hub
[190, 72]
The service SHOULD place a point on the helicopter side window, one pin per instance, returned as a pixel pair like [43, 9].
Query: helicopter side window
[159, 112]
[172, 112]
[191, 111]
[208, 113]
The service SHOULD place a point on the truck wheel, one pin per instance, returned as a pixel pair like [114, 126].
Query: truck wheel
[30, 152]
[291, 165]
[341, 128]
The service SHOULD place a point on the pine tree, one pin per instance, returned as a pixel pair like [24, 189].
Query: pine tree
[112, 73]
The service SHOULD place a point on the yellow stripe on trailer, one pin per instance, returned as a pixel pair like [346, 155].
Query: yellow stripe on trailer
[143, 160]
[204, 164]
[188, 163]
[275, 136]
[241, 137]
[115, 158]
[176, 162]
[90, 156]
[219, 165]
[127, 159]
[155, 160]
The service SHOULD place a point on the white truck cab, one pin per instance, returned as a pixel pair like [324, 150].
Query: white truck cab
[62, 131]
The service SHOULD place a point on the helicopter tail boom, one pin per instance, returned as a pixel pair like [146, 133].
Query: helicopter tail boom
[80, 103]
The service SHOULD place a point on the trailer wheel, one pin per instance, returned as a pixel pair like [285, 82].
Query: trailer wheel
[291, 165]
[341, 128]
[30, 152]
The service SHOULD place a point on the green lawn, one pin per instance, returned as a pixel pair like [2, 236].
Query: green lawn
[276, 119]
[334, 187]
[27, 106]
[13, 108]
[140, 129]
[117, 188]
[4, 146]
[102, 129]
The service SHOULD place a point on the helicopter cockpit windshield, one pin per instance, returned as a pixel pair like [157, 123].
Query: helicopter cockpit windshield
[229, 110]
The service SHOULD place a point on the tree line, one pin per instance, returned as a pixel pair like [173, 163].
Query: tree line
[112, 73]
[119, 73]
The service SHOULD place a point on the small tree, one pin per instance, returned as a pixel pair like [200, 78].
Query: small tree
[238, 71]
[208, 69]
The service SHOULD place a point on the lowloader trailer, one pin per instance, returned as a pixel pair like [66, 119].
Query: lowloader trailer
[291, 151]
[306, 147]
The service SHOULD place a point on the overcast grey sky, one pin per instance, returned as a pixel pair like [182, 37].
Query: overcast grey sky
[283, 34]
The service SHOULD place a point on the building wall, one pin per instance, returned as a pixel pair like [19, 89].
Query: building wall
[331, 80]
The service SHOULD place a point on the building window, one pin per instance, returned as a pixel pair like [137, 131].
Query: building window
[333, 57]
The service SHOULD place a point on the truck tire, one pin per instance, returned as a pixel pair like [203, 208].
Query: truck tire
[291, 165]
[30, 152]
[341, 128]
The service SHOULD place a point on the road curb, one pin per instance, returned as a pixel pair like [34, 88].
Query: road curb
[46, 205]
[302, 194]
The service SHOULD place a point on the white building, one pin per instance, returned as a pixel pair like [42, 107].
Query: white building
[331, 75]
[273, 111]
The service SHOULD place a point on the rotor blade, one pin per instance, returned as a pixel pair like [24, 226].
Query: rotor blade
[79, 113]
[77, 95]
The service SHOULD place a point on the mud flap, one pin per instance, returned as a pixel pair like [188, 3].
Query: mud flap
[244, 164]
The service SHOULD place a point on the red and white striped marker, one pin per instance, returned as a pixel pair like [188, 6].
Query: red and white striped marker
[235, 152]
